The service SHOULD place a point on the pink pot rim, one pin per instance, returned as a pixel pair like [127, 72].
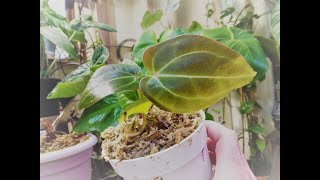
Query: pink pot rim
[170, 148]
[69, 151]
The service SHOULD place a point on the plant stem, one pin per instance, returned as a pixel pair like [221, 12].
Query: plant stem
[91, 39]
[240, 14]
[51, 65]
[72, 35]
[139, 93]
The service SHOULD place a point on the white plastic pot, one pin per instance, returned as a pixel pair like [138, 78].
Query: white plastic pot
[72, 163]
[187, 160]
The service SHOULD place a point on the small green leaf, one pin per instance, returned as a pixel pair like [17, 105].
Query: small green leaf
[150, 18]
[141, 106]
[209, 116]
[73, 84]
[256, 128]
[110, 79]
[100, 55]
[100, 116]
[261, 144]
[58, 38]
[147, 39]
[275, 22]
[246, 107]
[209, 13]
[227, 12]
[194, 27]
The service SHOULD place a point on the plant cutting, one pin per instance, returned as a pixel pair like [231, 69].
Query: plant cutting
[151, 115]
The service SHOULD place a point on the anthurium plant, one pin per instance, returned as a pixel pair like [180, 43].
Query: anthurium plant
[182, 74]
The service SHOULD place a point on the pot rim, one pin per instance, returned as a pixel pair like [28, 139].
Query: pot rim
[69, 151]
[171, 147]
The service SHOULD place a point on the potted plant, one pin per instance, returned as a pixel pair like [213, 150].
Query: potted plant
[150, 115]
[63, 154]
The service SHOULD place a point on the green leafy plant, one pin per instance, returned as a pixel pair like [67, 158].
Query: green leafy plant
[68, 35]
[192, 62]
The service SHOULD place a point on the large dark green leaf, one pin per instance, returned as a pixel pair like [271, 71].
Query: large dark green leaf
[150, 18]
[73, 84]
[275, 22]
[100, 116]
[110, 79]
[191, 72]
[147, 39]
[270, 47]
[244, 43]
[57, 37]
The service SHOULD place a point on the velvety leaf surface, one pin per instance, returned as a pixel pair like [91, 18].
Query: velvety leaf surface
[191, 72]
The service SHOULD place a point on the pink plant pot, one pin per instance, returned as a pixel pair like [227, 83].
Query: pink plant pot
[187, 160]
[72, 163]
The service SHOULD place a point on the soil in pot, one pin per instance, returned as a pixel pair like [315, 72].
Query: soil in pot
[138, 138]
[57, 140]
